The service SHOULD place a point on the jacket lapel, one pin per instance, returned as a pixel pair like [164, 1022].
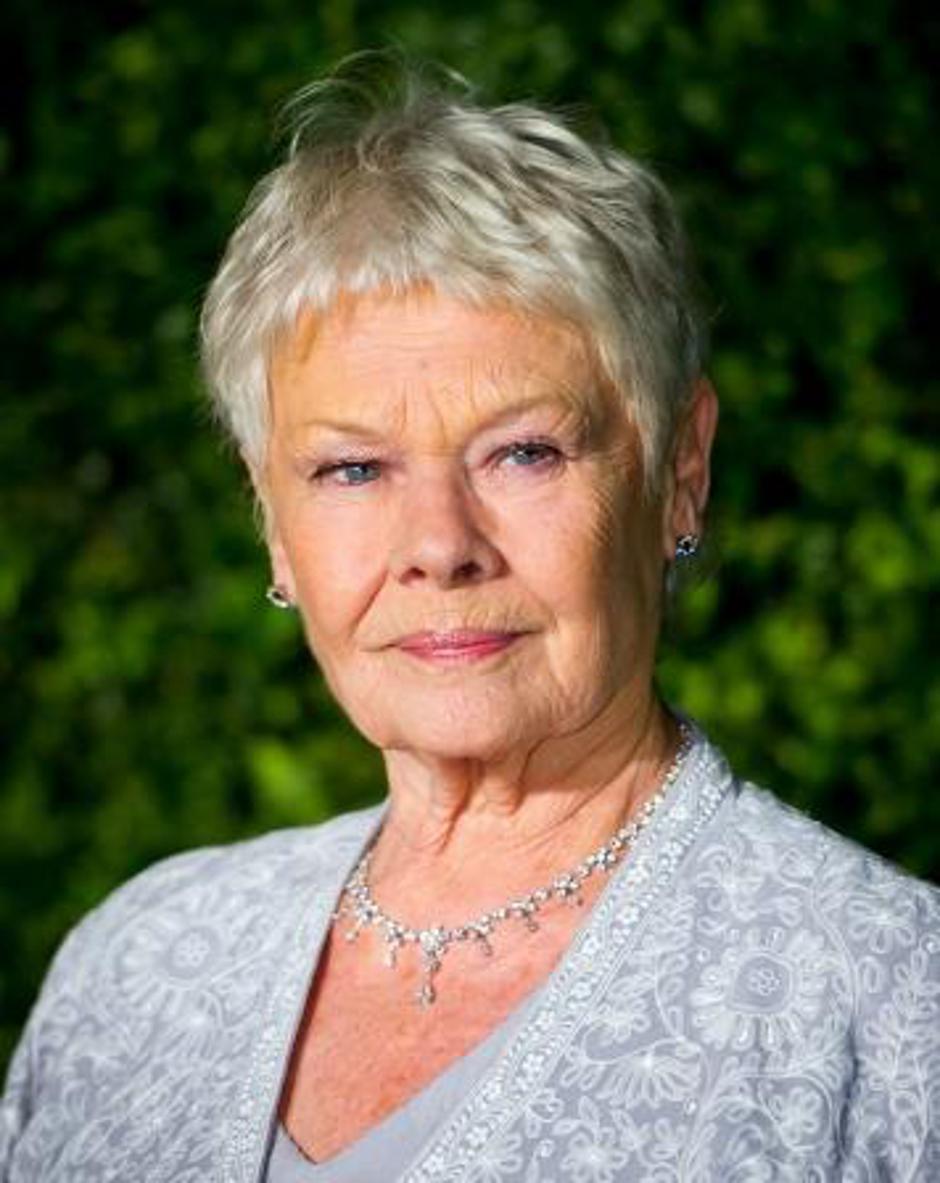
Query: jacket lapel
[304, 918]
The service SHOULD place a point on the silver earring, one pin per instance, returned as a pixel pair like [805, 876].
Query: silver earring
[277, 595]
[687, 546]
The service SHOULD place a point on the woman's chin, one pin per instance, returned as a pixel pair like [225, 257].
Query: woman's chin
[447, 734]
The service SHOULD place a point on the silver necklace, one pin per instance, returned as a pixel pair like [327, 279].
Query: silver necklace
[358, 903]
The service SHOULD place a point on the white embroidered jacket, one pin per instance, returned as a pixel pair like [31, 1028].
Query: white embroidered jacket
[753, 998]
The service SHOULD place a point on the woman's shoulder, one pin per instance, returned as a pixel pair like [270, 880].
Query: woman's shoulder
[298, 849]
[771, 862]
[257, 873]
[773, 828]
[749, 840]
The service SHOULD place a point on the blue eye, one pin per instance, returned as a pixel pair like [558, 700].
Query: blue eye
[349, 472]
[532, 454]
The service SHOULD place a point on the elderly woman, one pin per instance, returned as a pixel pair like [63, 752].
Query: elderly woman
[458, 352]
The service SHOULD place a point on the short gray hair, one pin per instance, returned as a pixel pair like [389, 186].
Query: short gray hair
[396, 176]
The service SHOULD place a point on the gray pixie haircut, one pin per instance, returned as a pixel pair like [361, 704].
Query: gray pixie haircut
[395, 176]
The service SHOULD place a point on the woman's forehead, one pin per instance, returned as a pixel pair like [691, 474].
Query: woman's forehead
[380, 347]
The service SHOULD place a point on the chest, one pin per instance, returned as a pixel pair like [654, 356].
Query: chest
[366, 1047]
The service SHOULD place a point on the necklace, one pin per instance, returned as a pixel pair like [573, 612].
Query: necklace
[358, 903]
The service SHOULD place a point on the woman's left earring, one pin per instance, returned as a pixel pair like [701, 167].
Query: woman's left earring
[687, 546]
[277, 595]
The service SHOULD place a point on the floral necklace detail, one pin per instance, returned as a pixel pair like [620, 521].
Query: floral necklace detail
[434, 943]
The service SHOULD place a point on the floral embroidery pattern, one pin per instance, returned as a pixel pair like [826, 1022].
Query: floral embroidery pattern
[768, 990]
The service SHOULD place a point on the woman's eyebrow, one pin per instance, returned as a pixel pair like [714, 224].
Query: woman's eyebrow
[563, 402]
[342, 427]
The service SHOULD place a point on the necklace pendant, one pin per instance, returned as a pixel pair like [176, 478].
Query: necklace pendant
[433, 945]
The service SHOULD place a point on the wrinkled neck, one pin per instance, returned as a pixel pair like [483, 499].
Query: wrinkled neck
[470, 830]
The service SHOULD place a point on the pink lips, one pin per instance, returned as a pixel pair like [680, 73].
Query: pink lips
[460, 645]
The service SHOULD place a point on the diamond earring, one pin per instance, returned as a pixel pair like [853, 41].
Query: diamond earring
[277, 595]
[687, 546]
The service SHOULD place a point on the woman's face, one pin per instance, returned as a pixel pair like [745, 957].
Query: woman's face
[455, 504]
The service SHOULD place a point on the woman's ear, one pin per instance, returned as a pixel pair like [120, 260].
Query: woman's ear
[282, 574]
[691, 467]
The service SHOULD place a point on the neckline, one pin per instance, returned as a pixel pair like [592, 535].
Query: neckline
[480, 1057]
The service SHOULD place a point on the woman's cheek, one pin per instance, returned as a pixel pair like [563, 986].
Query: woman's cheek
[328, 568]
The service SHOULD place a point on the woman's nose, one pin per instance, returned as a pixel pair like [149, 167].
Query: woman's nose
[441, 536]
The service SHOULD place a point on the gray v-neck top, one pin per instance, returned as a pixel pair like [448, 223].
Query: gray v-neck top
[385, 1151]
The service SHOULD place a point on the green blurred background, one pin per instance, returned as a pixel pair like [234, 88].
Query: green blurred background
[151, 700]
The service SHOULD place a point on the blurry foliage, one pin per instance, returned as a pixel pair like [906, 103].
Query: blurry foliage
[151, 700]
